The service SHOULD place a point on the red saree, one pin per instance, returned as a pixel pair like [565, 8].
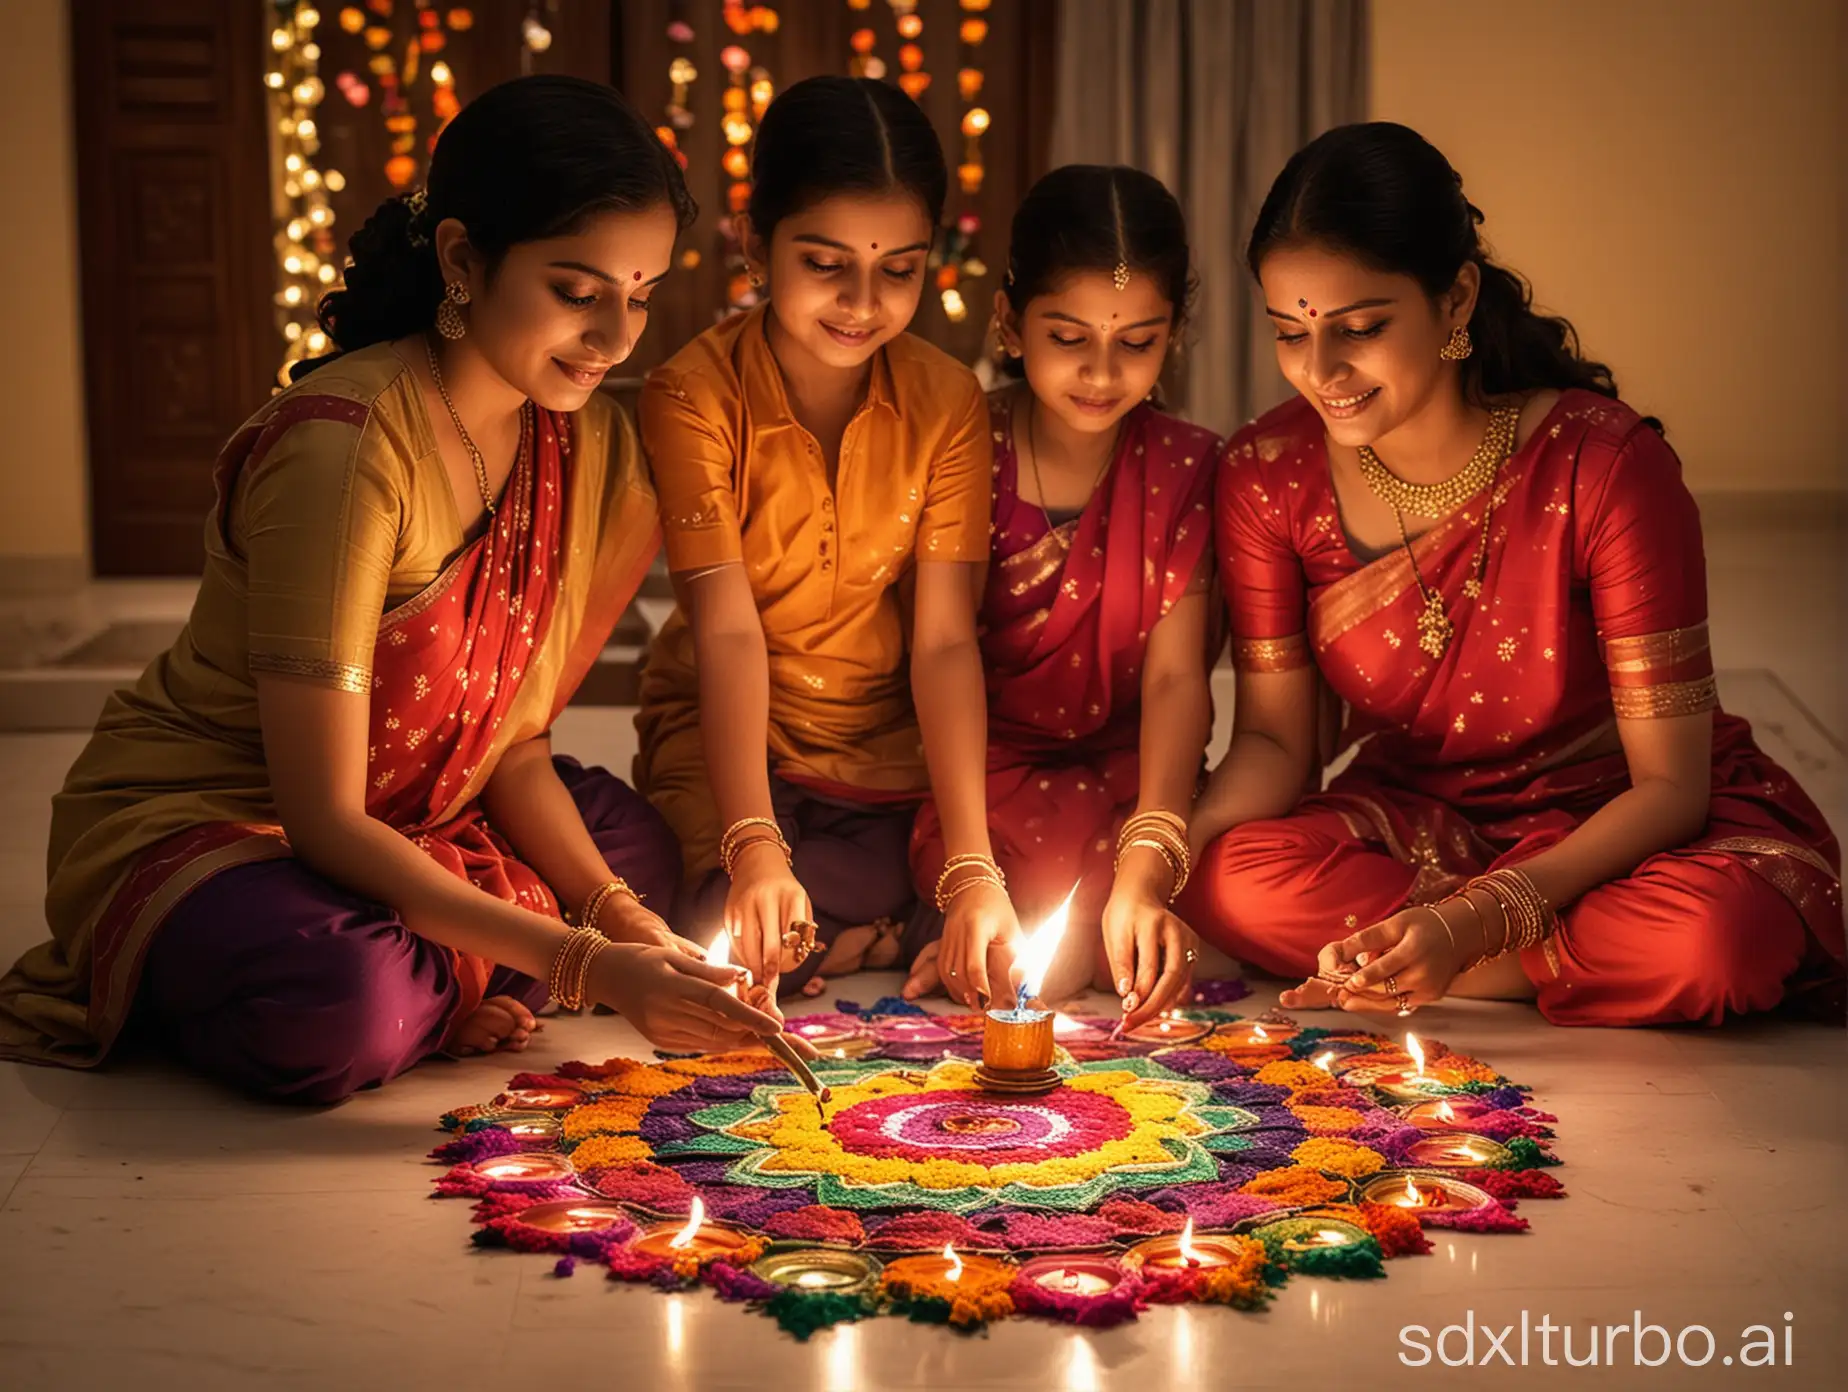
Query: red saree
[447, 671]
[1065, 624]
[1593, 606]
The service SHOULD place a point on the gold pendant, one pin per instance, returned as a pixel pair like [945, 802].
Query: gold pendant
[1434, 627]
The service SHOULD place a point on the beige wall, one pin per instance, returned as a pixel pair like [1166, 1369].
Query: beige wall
[1670, 174]
[44, 513]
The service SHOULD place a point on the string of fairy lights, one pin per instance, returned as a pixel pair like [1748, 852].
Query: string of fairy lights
[308, 262]
[304, 237]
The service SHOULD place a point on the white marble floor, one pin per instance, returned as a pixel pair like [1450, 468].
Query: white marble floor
[156, 1232]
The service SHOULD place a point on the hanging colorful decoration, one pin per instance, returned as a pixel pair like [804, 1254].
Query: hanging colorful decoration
[304, 239]
[955, 257]
[747, 96]
[397, 79]
[1151, 1172]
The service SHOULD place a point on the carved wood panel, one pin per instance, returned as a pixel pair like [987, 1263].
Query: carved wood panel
[173, 217]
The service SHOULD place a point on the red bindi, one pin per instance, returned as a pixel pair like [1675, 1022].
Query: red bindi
[638, 275]
[875, 246]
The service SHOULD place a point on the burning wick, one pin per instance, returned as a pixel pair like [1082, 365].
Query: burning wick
[949, 1252]
[684, 1238]
[1416, 1050]
[1035, 955]
[1445, 1112]
[1257, 1032]
[1324, 1059]
[1189, 1253]
[718, 954]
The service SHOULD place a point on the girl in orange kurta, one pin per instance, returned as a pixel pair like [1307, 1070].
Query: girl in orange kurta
[824, 488]
[325, 834]
[1549, 802]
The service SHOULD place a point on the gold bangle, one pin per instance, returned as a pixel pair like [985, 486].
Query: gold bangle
[1535, 916]
[1177, 870]
[571, 964]
[968, 882]
[966, 861]
[599, 899]
[1462, 897]
[733, 840]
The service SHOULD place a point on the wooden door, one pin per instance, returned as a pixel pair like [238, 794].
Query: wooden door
[173, 219]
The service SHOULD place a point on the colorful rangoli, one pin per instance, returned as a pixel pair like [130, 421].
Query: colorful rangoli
[1209, 1159]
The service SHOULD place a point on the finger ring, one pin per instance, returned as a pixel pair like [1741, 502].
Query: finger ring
[1192, 956]
[1405, 1005]
[805, 929]
[952, 971]
[1392, 985]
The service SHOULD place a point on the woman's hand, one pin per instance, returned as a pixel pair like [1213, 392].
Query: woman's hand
[679, 1003]
[625, 919]
[1405, 961]
[765, 899]
[980, 939]
[1151, 952]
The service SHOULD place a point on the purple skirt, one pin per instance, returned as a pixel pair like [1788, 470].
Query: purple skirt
[279, 982]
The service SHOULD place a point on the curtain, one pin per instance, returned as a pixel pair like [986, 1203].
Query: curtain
[1211, 97]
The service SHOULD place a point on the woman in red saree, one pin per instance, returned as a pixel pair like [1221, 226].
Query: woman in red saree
[325, 835]
[1095, 616]
[1548, 801]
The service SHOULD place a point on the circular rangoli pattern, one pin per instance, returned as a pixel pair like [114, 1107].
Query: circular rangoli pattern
[1314, 1151]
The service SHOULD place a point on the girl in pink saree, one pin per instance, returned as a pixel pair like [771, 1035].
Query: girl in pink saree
[1095, 614]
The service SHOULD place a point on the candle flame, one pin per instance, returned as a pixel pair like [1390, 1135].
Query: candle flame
[1258, 1033]
[718, 951]
[684, 1238]
[1445, 1112]
[956, 1264]
[1065, 1025]
[1036, 951]
[1412, 1197]
[1324, 1060]
[1416, 1050]
[1189, 1253]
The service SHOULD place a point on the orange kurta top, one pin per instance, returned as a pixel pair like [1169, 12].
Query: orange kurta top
[740, 480]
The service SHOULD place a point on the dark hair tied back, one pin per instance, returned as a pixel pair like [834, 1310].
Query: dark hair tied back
[526, 160]
[831, 135]
[1384, 194]
[1095, 217]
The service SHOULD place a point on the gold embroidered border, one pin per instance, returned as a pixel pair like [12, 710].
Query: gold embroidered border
[1768, 845]
[347, 676]
[1652, 652]
[1271, 654]
[1668, 699]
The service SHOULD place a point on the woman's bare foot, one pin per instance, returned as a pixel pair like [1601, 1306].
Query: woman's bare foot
[499, 1022]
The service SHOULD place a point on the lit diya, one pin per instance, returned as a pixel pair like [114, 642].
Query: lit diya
[528, 1167]
[532, 1127]
[1426, 1193]
[1017, 1044]
[817, 1269]
[940, 1274]
[1171, 1027]
[694, 1238]
[1256, 1034]
[1457, 1150]
[837, 1036]
[1446, 1113]
[1183, 1251]
[1074, 1274]
[542, 1099]
[1310, 1232]
[574, 1215]
[1398, 1085]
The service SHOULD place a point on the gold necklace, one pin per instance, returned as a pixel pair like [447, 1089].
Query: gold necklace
[1439, 499]
[1435, 627]
[474, 455]
[1039, 485]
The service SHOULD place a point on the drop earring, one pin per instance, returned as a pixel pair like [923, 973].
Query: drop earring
[449, 321]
